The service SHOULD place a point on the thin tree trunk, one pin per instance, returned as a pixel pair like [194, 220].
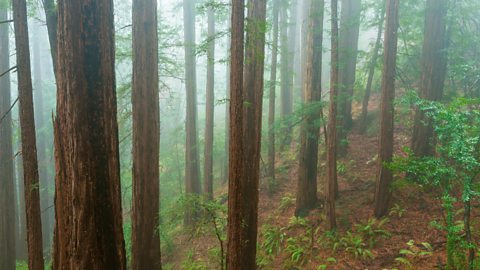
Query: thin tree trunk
[271, 97]
[210, 99]
[371, 73]
[384, 177]
[22, 253]
[310, 131]
[227, 113]
[146, 138]
[88, 226]
[331, 180]
[306, 5]
[51, 18]
[434, 66]
[286, 103]
[7, 177]
[245, 146]
[192, 168]
[29, 147]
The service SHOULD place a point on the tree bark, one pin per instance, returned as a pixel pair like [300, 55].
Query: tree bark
[306, 5]
[88, 227]
[371, 72]
[271, 96]
[348, 48]
[310, 131]
[146, 138]
[385, 177]
[434, 67]
[331, 181]
[7, 176]
[210, 99]
[245, 146]
[286, 103]
[192, 168]
[29, 148]
[22, 253]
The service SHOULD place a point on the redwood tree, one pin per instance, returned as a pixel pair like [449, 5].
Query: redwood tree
[385, 152]
[246, 100]
[88, 227]
[310, 131]
[146, 137]
[434, 67]
[7, 176]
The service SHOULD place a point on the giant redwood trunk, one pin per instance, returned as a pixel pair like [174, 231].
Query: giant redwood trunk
[310, 131]
[146, 138]
[7, 176]
[192, 168]
[246, 134]
[51, 16]
[271, 95]
[88, 226]
[385, 176]
[434, 66]
[29, 147]
[210, 99]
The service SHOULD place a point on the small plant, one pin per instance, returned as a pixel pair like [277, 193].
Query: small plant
[328, 261]
[298, 250]
[298, 222]
[397, 211]
[273, 238]
[286, 202]
[412, 252]
[355, 245]
[191, 264]
[372, 230]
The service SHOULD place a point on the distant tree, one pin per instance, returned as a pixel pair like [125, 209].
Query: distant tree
[286, 98]
[385, 176]
[192, 168]
[434, 67]
[272, 94]
[306, 5]
[210, 99]
[146, 137]
[348, 51]
[21, 243]
[29, 147]
[51, 16]
[7, 176]
[88, 229]
[331, 180]
[246, 120]
[371, 71]
[310, 131]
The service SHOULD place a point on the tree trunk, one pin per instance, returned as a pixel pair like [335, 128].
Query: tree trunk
[434, 66]
[45, 201]
[22, 253]
[292, 41]
[286, 102]
[51, 16]
[146, 138]
[371, 71]
[88, 229]
[245, 134]
[7, 176]
[210, 99]
[306, 5]
[348, 47]
[192, 168]
[310, 131]
[384, 177]
[271, 97]
[331, 181]
[227, 113]
[29, 148]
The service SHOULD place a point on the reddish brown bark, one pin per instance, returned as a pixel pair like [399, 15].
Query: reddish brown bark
[146, 138]
[29, 147]
[210, 99]
[310, 131]
[88, 227]
[331, 180]
[7, 176]
[246, 134]
[385, 177]
[434, 66]
[51, 16]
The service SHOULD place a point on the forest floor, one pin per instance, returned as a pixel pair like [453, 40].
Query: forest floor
[305, 244]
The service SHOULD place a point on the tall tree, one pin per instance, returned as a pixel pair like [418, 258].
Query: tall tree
[371, 70]
[306, 5]
[310, 130]
[292, 41]
[286, 102]
[51, 16]
[21, 244]
[146, 137]
[385, 176]
[348, 48]
[210, 99]
[7, 176]
[246, 100]
[271, 95]
[88, 226]
[29, 147]
[434, 66]
[331, 180]
[227, 110]
[192, 168]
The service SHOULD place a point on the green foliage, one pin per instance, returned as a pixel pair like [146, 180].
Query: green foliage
[286, 202]
[273, 238]
[355, 245]
[372, 230]
[191, 264]
[397, 210]
[412, 252]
